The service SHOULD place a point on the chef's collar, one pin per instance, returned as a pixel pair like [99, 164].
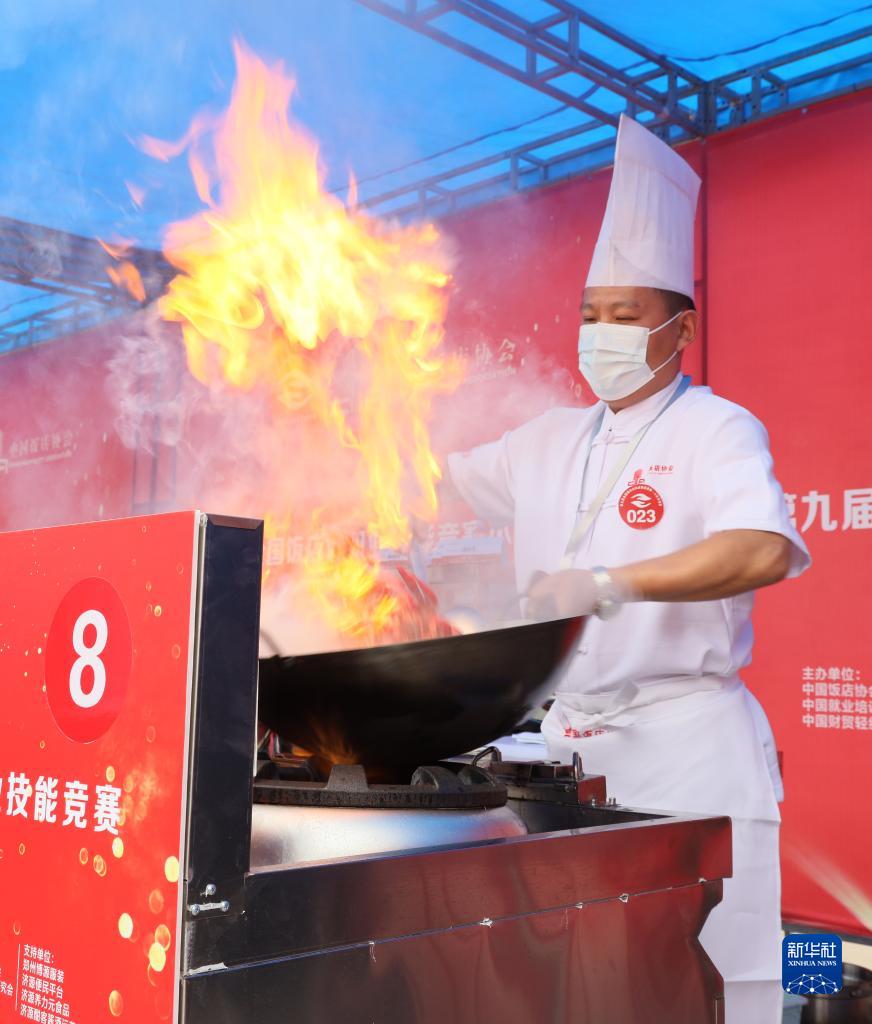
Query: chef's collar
[629, 420]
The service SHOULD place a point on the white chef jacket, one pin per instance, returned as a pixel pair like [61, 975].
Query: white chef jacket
[709, 461]
[692, 739]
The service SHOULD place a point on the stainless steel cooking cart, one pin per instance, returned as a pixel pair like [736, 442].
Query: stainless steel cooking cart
[592, 916]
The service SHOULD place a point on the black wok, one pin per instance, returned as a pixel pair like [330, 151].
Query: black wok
[396, 707]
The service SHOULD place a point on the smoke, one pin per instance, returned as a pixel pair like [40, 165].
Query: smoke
[235, 452]
[226, 449]
[148, 385]
[500, 396]
[60, 459]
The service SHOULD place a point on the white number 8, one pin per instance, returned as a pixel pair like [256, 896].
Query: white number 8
[89, 657]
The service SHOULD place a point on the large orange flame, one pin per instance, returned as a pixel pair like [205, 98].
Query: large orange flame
[280, 288]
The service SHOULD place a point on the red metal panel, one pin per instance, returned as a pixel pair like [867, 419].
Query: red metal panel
[96, 660]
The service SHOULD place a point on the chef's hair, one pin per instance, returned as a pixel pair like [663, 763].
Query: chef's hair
[676, 302]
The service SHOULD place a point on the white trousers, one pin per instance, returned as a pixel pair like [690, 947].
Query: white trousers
[745, 927]
[700, 754]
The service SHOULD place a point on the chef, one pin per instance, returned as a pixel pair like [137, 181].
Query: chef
[658, 510]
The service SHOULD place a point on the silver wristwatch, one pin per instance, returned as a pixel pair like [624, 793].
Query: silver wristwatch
[608, 600]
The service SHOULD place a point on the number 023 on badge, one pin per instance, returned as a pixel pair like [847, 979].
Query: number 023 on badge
[95, 670]
[640, 506]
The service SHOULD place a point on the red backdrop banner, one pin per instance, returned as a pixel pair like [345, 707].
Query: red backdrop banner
[790, 217]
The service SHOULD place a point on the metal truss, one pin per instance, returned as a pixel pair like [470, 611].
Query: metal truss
[561, 55]
[589, 68]
[63, 283]
[555, 55]
[782, 83]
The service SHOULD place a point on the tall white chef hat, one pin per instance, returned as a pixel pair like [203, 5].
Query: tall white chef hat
[646, 238]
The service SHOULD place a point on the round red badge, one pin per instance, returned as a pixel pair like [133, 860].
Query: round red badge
[88, 658]
[641, 506]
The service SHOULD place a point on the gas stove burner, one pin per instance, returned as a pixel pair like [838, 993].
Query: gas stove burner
[437, 787]
[550, 781]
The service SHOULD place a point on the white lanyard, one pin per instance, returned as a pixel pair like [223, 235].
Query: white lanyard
[584, 522]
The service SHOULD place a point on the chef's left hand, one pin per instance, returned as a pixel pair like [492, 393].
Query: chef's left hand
[561, 595]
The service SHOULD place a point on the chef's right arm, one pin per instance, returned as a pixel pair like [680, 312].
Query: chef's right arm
[483, 477]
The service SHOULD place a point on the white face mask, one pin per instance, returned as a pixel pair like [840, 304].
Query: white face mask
[612, 358]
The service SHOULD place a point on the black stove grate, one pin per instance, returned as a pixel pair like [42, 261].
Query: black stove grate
[294, 782]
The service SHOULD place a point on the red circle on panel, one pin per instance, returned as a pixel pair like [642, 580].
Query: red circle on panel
[640, 506]
[89, 654]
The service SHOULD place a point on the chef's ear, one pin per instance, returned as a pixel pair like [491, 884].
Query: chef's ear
[688, 326]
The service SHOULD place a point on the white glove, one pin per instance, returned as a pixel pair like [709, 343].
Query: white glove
[562, 595]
